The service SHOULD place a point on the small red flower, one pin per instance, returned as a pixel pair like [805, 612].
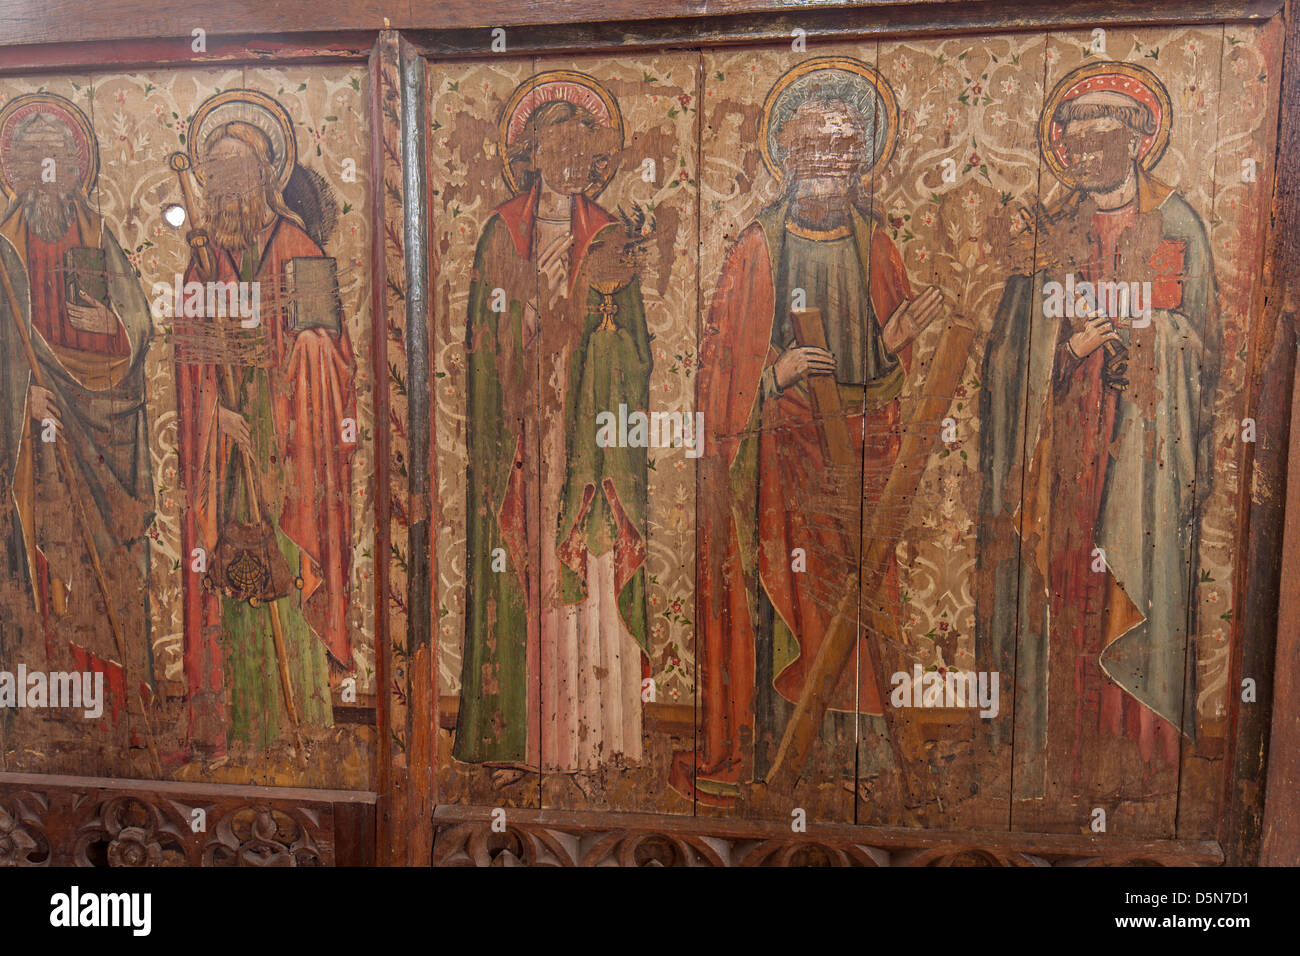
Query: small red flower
[685, 100]
[974, 159]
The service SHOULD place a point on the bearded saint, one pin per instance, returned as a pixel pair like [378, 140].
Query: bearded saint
[1108, 408]
[289, 416]
[90, 341]
[764, 475]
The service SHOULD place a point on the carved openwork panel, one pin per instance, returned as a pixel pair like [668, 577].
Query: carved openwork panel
[480, 837]
[65, 822]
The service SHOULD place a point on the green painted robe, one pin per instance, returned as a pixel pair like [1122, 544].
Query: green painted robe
[604, 491]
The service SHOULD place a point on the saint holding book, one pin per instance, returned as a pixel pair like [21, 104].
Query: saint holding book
[264, 457]
[89, 324]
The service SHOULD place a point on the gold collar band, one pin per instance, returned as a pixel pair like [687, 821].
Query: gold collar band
[816, 235]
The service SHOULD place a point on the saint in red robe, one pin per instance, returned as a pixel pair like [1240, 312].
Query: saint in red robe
[762, 463]
[311, 393]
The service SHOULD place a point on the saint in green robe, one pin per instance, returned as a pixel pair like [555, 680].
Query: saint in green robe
[583, 360]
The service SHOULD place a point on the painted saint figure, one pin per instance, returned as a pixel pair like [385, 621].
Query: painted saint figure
[287, 416]
[89, 323]
[556, 335]
[828, 127]
[1111, 396]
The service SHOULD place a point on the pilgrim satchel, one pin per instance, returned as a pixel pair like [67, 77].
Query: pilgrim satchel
[247, 564]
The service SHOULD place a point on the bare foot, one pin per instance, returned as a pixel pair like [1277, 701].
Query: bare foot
[589, 784]
[506, 776]
[862, 788]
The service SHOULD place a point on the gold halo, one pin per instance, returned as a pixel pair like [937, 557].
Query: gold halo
[73, 119]
[554, 78]
[888, 105]
[248, 106]
[1134, 81]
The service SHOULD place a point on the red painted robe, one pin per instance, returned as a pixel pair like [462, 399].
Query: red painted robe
[736, 351]
[1089, 612]
[313, 391]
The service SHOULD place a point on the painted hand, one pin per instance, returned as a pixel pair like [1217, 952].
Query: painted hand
[911, 317]
[1096, 332]
[235, 427]
[554, 265]
[800, 362]
[532, 323]
[41, 404]
[91, 316]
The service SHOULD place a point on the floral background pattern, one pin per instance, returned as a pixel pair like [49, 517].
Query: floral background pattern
[976, 102]
[656, 96]
[965, 169]
[140, 119]
[966, 163]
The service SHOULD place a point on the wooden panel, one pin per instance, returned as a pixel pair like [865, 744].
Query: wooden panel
[1082, 741]
[465, 838]
[967, 165]
[572, 736]
[53, 820]
[66, 21]
[37, 487]
[781, 497]
[1103, 743]
[402, 829]
[1227, 647]
[617, 345]
[213, 677]
[486, 578]
[1280, 825]
[1117, 448]
[1280, 836]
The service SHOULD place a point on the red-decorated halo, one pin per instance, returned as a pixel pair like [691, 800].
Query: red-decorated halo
[1127, 79]
[61, 110]
[536, 91]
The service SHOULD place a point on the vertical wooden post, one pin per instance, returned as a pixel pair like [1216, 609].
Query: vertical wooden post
[1280, 837]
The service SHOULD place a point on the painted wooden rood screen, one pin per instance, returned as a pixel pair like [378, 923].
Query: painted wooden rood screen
[859, 444]
[843, 435]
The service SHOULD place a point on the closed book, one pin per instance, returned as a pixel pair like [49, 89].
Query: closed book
[85, 273]
[312, 283]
